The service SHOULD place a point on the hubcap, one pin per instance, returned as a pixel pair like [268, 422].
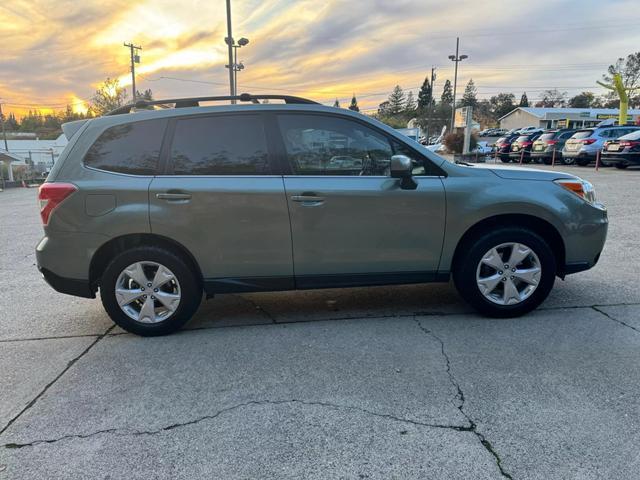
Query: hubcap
[508, 273]
[148, 292]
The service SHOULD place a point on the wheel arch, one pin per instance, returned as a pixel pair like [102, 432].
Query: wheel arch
[113, 247]
[540, 226]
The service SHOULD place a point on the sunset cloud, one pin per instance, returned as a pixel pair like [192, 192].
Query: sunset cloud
[57, 52]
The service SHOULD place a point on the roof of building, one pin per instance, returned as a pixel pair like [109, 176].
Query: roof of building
[540, 112]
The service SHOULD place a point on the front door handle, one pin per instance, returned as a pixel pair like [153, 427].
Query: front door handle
[173, 196]
[308, 200]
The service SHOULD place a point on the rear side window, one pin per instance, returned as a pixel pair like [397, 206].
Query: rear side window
[220, 145]
[631, 136]
[547, 136]
[132, 148]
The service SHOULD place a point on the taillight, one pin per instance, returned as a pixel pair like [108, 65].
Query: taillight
[50, 195]
[629, 143]
[552, 142]
[589, 141]
[525, 144]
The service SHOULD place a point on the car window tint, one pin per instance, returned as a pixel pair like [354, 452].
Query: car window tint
[132, 148]
[329, 145]
[547, 136]
[220, 145]
[565, 135]
[635, 135]
[582, 134]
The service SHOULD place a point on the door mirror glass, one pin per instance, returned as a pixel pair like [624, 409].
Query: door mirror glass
[401, 166]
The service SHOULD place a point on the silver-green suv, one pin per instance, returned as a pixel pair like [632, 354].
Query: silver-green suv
[157, 207]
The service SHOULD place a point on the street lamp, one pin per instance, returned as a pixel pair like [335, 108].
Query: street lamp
[455, 58]
[237, 66]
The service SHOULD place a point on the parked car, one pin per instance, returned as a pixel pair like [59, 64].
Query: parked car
[521, 147]
[584, 144]
[155, 208]
[549, 142]
[530, 129]
[498, 132]
[503, 147]
[623, 152]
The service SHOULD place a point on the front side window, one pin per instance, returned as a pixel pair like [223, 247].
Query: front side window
[132, 148]
[220, 145]
[329, 145]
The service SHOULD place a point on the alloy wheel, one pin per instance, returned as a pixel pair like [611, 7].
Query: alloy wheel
[509, 273]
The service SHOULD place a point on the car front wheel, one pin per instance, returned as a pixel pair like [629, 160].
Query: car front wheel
[150, 291]
[505, 273]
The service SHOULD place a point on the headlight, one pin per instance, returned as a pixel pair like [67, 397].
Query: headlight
[580, 187]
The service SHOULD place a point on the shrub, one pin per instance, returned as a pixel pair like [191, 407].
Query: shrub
[455, 141]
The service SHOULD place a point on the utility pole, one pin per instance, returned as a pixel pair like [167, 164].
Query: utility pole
[455, 58]
[135, 58]
[4, 133]
[6, 147]
[229, 41]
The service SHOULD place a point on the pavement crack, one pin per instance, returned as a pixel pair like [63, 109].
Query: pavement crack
[472, 427]
[57, 377]
[257, 307]
[615, 319]
[173, 426]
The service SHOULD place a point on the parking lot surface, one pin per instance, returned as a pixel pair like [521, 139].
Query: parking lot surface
[385, 382]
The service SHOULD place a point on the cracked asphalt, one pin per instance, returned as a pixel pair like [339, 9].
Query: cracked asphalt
[385, 382]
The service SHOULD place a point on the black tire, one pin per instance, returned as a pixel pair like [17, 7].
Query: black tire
[471, 253]
[505, 159]
[546, 161]
[621, 166]
[190, 290]
[568, 160]
[583, 162]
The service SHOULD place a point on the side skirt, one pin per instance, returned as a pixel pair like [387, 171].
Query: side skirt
[308, 282]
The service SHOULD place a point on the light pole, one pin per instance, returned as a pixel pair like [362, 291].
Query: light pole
[455, 58]
[229, 41]
[237, 66]
[135, 58]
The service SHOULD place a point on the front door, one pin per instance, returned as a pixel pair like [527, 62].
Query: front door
[220, 198]
[351, 223]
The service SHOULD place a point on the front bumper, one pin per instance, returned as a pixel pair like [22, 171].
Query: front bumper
[584, 244]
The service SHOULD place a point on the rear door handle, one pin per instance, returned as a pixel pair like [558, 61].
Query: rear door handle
[173, 196]
[308, 200]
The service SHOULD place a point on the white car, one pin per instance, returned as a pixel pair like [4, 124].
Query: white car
[529, 129]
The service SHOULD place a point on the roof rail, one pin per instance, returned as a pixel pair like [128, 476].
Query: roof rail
[195, 101]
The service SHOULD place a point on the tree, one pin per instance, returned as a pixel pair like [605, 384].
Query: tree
[354, 104]
[582, 100]
[336, 104]
[410, 103]
[469, 97]
[109, 96]
[552, 98]
[146, 95]
[628, 68]
[425, 94]
[524, 100]
[11, 123]
[502, 104]
[447, 93]
[383, 109]
[397, 100]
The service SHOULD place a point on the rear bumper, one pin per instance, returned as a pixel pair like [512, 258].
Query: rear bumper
[579, 154]
[626, 158]
[69, 286]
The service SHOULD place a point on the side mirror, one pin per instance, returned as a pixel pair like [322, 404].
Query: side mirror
[402, 167]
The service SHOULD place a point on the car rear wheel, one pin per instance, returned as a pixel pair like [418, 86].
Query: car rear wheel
[568, 160]
[150, 291]
[546, 160]
[621, 165]
[505, 159]
[583, 162]
[505, 273]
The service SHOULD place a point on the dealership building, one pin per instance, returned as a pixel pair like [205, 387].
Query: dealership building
[562, 117]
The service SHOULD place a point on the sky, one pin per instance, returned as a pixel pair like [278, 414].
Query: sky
[57, 52]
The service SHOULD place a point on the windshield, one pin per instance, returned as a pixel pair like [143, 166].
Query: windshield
[631, 136]
[547, 136]
[582, 134]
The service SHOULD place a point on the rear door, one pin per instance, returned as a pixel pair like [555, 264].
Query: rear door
[221, 198]
[351, 223]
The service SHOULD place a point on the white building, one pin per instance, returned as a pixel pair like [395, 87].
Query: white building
[562, 117]
[40, 154]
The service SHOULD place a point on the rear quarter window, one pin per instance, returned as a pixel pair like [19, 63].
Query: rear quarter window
[583, 134]
[131, 148]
